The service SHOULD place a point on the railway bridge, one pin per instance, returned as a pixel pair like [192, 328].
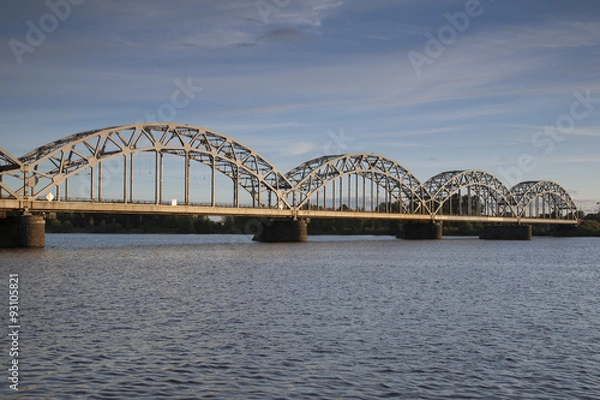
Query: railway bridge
[172, 168]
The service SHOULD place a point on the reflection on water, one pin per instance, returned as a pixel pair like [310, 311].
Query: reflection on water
[186, 316]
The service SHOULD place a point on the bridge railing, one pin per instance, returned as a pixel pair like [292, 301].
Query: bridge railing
[163, 203]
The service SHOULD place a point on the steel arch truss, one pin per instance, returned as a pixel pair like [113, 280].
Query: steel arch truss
[10, 167]
[50, 165]
[399, 186]
[347, 182]
[8, 161]
[543, 199]
[485, 194]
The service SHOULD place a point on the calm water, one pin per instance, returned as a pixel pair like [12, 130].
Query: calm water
[125, 316]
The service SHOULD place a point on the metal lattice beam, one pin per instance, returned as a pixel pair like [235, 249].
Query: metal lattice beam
[8, 161]
[398, 184]
[49, 165]
[489, 190]
[531, 194]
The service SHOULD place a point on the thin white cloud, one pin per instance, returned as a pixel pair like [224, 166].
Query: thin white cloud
[406, 145]
[253, 127]
[554, 160]
[589, 132]
[298, 148]
[306, 12]
[404, 131]
[249, 26]
[217, 39]
[558, 35]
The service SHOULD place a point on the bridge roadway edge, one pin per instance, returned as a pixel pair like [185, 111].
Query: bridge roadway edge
[38, 206]
[423, 226]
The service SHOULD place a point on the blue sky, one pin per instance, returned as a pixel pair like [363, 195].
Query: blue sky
[509, 87]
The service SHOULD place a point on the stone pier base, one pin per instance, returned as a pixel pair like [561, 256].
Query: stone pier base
[506, 232]
[421, 231]
[281, 230]
[23, 231]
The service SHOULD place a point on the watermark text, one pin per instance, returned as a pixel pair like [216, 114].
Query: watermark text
[36, 33]
[13, 330]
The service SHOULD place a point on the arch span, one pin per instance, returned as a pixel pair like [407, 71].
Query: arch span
[356, 184]
[50, 165]
[390, 183]
[8, 161]
[10, 168]
[543, 198]
[485, 194]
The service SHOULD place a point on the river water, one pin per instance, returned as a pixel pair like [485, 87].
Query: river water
[190, 316]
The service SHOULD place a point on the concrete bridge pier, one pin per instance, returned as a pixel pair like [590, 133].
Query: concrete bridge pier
[281, 231]
[506, 232]
[421, 231]
[22, 231]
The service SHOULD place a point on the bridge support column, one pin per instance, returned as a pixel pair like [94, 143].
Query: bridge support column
[421, 231]
[506, 232]
[281, 231]
[23, 231]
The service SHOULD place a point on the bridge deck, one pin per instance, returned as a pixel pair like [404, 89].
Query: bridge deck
[37, 206]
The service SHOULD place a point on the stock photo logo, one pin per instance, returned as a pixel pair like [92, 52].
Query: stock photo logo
[447, 35]
[181, 97]
[545, 139]
[37, 32]
[266, 8]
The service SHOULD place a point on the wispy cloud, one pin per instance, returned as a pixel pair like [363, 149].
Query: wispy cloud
[220, 39]
[406, 145]
[405, 131]
[307, 12]
[298, 148]
[561, 34]
[246, 29]
[254, 127]
[589, 132]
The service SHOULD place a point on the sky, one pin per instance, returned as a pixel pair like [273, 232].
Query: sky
[511, 87]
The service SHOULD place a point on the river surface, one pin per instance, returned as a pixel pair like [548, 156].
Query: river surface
[191, 316]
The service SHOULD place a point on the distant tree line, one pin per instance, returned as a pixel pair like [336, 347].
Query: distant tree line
[183, 224]
[122, 223]
[193, 224]
[589, 226]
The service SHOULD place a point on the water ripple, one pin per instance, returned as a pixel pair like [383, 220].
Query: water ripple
[111, 317]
